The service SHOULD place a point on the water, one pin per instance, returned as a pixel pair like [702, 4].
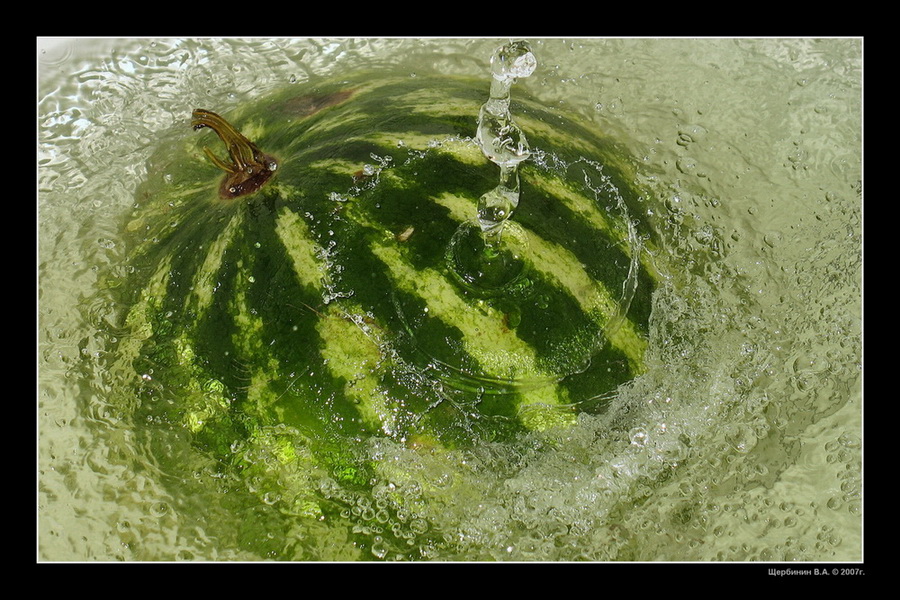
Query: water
[500, 138]
[743, 440]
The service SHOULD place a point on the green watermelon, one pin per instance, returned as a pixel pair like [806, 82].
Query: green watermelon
[292, 282]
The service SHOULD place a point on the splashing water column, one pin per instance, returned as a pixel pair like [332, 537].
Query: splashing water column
[501, 139]
[483, 259]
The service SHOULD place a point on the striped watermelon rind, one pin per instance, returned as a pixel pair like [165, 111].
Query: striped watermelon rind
[319, 310]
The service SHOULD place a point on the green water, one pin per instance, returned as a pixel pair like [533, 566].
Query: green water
[742, 441]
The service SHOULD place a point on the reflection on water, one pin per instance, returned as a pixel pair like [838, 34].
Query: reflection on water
[741, 442]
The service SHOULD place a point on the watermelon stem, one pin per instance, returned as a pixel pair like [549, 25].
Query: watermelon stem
[249, 169]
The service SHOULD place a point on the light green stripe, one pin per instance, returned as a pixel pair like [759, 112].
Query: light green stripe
[248, 339]
[201, 398]
[586, 208]
[340, 166]
[302, 250]
[353, 352]
[554, 136]
[249, 326]
[351, 348]
[560, 265]
[615, 228]
[464, 150]
[434, 102]
[206, 280]
[350, 120]
[497, 349]
[140, 317]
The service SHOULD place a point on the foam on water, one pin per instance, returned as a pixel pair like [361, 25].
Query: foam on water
[742, 441]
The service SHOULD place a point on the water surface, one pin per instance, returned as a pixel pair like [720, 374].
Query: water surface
[742, 442]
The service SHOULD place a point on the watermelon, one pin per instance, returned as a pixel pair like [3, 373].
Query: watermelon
[297, 280]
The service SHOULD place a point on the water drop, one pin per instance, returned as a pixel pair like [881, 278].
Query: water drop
[615, 106]
[850, 440]
[772, 238]
[704, 235]
[674, 204]
[686, 165]
[159, 509]
[638, 437]
[741, 437]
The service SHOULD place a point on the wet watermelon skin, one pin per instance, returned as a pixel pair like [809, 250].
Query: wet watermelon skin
[322, 303]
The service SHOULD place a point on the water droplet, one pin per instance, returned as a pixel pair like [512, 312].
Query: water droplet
[638, 436]
[686, 165]
[850, 440]
[512, 61]
[379, 548]
[809, 363]
[772, 238]
[159, 509]
[674, 204]
[704, 235]
[741, 437]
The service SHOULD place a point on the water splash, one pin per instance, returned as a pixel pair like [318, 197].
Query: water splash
[501, 139]
[569, 498]
[483, 262]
